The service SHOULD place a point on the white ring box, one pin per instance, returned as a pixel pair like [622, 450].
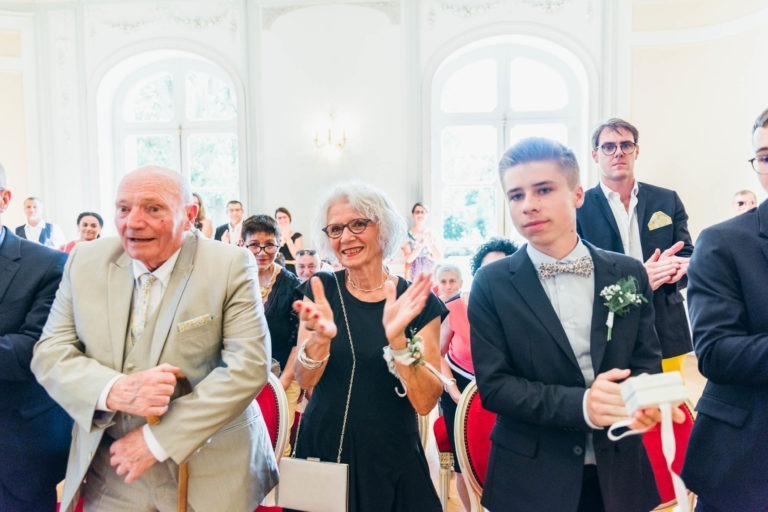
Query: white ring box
[651, 390]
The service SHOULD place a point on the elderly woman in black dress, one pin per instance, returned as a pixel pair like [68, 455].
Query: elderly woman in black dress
[348, 321]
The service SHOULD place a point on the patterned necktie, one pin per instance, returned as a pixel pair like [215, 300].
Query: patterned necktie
[581, 267]
[140, 306]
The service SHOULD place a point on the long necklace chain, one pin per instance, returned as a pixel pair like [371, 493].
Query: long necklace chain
[368, 290]
[266, 289]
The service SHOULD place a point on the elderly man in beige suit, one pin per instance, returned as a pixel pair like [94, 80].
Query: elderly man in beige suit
[132, 316]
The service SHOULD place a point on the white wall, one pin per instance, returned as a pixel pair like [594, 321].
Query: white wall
[696, 90]
[690, 82]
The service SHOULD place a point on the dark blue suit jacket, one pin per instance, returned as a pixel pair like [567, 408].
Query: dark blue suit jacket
[596, 224]
[727, 458]
[35, 433]
[527, 373]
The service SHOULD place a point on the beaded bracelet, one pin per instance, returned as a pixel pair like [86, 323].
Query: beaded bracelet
[306, 361]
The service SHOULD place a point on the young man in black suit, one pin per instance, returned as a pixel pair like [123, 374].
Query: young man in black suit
[646, 222]
[726, 463]
[544, 359]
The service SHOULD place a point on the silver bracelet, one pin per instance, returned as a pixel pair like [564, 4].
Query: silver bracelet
[306, 361]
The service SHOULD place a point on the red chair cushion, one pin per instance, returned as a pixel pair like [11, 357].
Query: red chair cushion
[441, 434]
[79, 507]
[267, 401]
[652, 442]
[477, 436]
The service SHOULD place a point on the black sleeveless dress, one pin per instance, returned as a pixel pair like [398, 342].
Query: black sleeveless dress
[290, 263]
[387, 467]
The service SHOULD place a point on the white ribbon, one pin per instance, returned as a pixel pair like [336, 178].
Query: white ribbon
[668, 448]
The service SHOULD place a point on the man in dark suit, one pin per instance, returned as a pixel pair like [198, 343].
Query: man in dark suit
[726, 463]
[646, 222]
[35, 432]
[542, 355]
[231, 231]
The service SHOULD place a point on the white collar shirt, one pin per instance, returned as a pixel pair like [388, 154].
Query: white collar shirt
[626, 220]
[163, 275]
[572, 298]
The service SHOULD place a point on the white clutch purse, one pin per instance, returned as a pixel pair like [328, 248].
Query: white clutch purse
[312, 485]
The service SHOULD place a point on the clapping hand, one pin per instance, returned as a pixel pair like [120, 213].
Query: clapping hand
[400, 311]
[665, 267]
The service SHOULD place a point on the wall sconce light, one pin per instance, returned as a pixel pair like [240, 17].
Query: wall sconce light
[331, 137]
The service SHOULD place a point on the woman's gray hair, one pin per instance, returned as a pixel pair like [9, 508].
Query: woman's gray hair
[372, 204]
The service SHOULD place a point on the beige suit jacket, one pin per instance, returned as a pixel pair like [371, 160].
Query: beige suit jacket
[210, 324]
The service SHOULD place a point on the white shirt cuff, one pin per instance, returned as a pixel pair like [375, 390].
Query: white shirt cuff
[586, 415]
[157, 450]
[101, 405]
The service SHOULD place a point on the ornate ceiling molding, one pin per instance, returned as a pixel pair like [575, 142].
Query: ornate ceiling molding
[390, 8]
[198, 16]
[467, 9]
[547, 5]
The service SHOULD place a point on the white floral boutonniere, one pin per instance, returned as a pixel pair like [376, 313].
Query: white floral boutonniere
[619, 298]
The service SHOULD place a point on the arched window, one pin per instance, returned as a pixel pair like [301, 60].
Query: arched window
[485, 97]
[179, 111]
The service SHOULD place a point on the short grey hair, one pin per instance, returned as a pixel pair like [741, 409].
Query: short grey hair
[371, 203]
[3, 178]
[448, 267]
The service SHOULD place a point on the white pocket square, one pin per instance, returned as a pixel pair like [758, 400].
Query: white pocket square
[194, 323]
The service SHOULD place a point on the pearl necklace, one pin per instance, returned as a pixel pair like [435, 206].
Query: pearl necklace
[368, 290]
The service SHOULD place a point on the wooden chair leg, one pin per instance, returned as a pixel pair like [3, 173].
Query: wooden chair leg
[446, 463]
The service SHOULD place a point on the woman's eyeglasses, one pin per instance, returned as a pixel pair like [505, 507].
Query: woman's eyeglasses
[355, 226]
[255, 248]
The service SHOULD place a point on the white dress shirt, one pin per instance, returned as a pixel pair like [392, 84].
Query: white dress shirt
[33, 234]
[572, 298]
[626, 220]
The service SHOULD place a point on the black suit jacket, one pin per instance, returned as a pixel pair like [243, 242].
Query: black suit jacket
[527, 373]
[35, 432]
[727, 459]
[220, 230]
[596, 224]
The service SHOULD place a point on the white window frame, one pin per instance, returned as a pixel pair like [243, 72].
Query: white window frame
[575, 115]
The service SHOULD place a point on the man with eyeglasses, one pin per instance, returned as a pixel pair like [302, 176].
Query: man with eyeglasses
[727, 459]
[646, 222]
[307, 263]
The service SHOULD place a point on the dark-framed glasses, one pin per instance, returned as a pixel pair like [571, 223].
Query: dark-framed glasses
[306, 252]
[255, 248]
[355, 226]
[759, 164]
[609, 148]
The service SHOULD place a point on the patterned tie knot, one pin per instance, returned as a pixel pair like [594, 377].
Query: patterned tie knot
[581, 267]
[146, 280]
[140, 305]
